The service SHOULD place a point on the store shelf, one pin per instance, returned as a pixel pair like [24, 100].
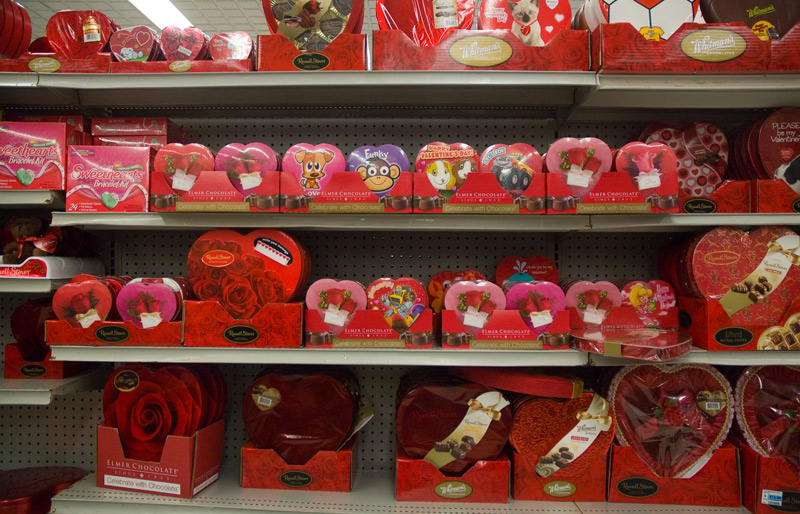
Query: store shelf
[29, 285]
[353, 357]
[43, 199]
[680, 222]
[41, 392]
[697, 356]
[637, 508]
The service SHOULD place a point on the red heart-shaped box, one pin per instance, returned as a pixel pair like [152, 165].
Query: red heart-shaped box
[426, 22]
[79, 34]
[312, 25]
[245, 272]
[298, 414]
[512, 165]
[81, 304]
[230, 45]
[15, 29]
[673, 417]
[138, 43]
[400, 300]
[189, 44]
[182, 164]
[447, 165]
[649, 165]
[580, 162]
[439, 283]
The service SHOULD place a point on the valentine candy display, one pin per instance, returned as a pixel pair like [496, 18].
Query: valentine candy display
[537, 303]
[532, 21]
[34, 155]
[442, 280]
[79, 34]
[148, 302]
[246, 164]
[108, 178]
[652, 300]
[436, 416]
[336, 301]
[512, 165]
[655, 20]
[187, 44]
[593, 300]
[648, 344]
[27, 327]
[401, 300]
[276, 408]
[674, 417]
[425, 22]
[767, 21]
[649, 165]
[524, 381]
[447, 165]
[313, 165]
[245, 272]
[182, 164]
[83, 303]
[17, 29]
[580, 162]
[29, 490]
[314, 24]
[139, 43]
[767, 407]
[379, 166]
[474, 302]
[230, 45]
[779, 146]
[525, 269]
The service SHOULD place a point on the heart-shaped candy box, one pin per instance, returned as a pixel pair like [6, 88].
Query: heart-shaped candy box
[447, 165]
[230, 45]
[182, 165]
[246, 164]
[425, 22]
[187, 44]
[512, 165]
[138, 43]
[474, 302]
[379, 166]
[580, 162]
[336, 301]
[313, 165]
[401, 300]
[312, 25]
[79, 34]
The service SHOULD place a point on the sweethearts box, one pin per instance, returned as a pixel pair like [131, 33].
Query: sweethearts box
[276, 325]
[108, 178]
[716, 484]
[614, 193]
[588, 486]
[505, 330]
[55, 63]
[485, 482]
[34, 155]
[694, 47]
[732, 196]
[712, 329]
[14, 366]
[213, 191]
[112, 333]
[346, 52]
[326, 471]
[77, 121]
[480, 49]
[369, 329]
[187, 466]
[768, 484]
[481, 193]
[347, 192]
[773, 196]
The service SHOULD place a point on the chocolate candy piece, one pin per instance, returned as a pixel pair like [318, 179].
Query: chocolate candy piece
[561, 203]
[566, 455]
[293, 202]
[760, 289]
[776, 338]
[458, 453]
[548, 200]
[453, 339]
[739, 288]
[426, 203]
[419, 338]
[667, 202]
[265, 201]
[315, 339]
[441, 447]
[399, 203]
[790, 340]
[754, 297]
[563, 449]
[535, 203]
[794, 326]
[558, 340]
[562, 463]
[555, 457]
[545, 338]
[545, 460]
[162, 202]
[468, 440]
[451, 443]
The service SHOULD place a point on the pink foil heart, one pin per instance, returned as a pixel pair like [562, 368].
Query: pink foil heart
[230, 45]
[513, 165]
[138, 43]
[649, 165]
[537, 303]
[313, 166]
[580, 162]
[189, 44]
[246, 164]
[146, 305]
[474, 302]
[336, 301]
[593, 300]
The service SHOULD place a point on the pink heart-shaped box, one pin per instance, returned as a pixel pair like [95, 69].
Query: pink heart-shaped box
[230, 46]
[537, 303]
[580, 162]
[593, 300]
[512, 165]
[401, 300]
[189, 44]
[313, 166]
[474, 302]
[246, 164]
[649, 165]
[336, 301]
[447, 165]
[147, 305]
[651, 300]
[138, 43]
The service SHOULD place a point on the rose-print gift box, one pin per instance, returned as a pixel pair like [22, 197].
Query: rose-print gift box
[276, 325]
[15, 366]
[775, 196]
[34, 155]
[108, 178]
[346, 52]
[768, 483]
[113, 333]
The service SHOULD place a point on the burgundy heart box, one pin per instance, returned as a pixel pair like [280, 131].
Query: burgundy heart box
[345, 193]
[480, 49]
[369, 329]
[213, 192]
[15, 366]
[614, 193]
[505, 330]
[774, 196]
[481, 193]
[763, 475]
[56, 63]
[346, 52]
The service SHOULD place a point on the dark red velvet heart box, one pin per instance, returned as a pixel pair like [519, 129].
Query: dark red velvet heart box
[766, 475]
[505, 330]
[368, 329]
[187, 466]
[15, 366]
[346, 52]
[587, 486]
[785, 52]
[29, 490]
[113, 333]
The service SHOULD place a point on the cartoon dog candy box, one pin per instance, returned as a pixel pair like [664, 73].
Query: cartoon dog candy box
[33, 155]
[108, 178]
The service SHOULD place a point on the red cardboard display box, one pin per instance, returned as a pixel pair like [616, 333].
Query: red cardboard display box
[112, 333]
[229, 66]
[345, 193]
[694, 47]
[480, 49]
[505, 330]
[712, 329]
[276, 325]
[716, 484]
[785, 52]
[369, 329]
[480, 194]
[769, 485]
[14, 366]
[213, 192]
[188, 464]
[326, 471]
[34, 155]
[613, 194]
[346, 52]
[53, 63]
[77, 121]
[485, 482]
[732, 196]
[773, 196]
[562, 486]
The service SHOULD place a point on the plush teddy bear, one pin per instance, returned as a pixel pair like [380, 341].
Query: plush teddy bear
[24, 231]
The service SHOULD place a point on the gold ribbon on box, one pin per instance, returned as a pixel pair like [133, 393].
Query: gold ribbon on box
[775, 247]
[476, 405]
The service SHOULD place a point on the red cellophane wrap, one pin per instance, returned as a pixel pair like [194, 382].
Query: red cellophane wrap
[768, 411]
[300, 411]
[430, 406]
[29, 490]
[148, 405]
[418, 19]
[673, 416]
[27, 327]
[79, 34]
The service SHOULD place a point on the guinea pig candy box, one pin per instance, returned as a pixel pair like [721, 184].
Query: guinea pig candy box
[108, 178]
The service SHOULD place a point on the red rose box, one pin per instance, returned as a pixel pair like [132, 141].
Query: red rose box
[732, 196]
[232, 65]
[346, 52]
[768, 484]
[712, 329]
[716, 484]
[481, 193]
[112, 333]
[480, 49]
[614, 193]
[326, 471]
[485, 482]
[276, 325]
[345, 193]
[187, 466]
[590, 486]
[505, 330]
[773, 196]
[369, 329]
[214, 192]
[694, 47]
[14, 366]
[54, 63]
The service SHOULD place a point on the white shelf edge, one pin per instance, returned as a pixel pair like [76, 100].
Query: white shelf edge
[32, 391]
[33, 198]
[30, 285]
[370, 357]
[679, 221]
[638, 508]
[698, 356]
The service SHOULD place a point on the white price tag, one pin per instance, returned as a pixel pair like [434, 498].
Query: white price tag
[183, 182]
[593, 317]
[540, 319]
[774, 498]
[92, 37]
[474, 320]
[649, 181]
[578, 179]
[249, 181]
[266, 402]
[88, 320]
[150, 319]
[336, 317]
[445, 14]
[185, 51]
